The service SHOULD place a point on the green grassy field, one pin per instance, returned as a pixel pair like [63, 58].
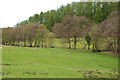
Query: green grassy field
[25, 62]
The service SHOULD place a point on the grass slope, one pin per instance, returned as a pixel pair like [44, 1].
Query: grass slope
[24, 62]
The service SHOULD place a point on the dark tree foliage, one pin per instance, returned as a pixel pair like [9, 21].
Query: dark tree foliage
[95, 11]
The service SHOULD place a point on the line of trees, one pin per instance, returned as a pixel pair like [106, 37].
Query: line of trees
[72, 27]
[31, 34]
[96, 22]
[103, 36]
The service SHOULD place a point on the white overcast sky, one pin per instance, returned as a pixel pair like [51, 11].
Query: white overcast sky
[14, 11]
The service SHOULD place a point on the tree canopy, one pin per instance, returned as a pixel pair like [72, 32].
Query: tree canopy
[96, 22]
[95, 11]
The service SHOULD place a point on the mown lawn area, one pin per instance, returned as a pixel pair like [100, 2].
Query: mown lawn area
[25, 62]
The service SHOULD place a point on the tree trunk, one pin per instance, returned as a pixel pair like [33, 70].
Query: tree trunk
[75, 42]
[118, 45]
[84, 46]
[42, 43]
[88, 47]
[35, 44]
[69, 44]
[45, 44]
[118, 41]
[30, 44]
[38, 45]
[94, 48]
[18, 44]
[24, 43]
